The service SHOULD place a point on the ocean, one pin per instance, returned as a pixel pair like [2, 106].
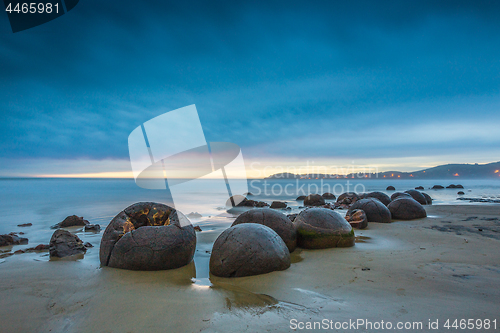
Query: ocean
[45, 202]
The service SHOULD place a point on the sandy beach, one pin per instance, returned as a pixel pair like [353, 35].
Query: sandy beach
[445, 266]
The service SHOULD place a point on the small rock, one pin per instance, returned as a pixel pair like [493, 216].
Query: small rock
[19, 252]
[92, 227]
[419, 188]
[71, 221]
[194, 215]
[437, 187]
[197, 228]
[357, 218]
[12, 239]
[300, 198]
[65, 244]
[88, 244]
[390, 188]
[41, 247]
[328, 195]
[460, 193]
[278, 204]
[314, 200]
[25, 225]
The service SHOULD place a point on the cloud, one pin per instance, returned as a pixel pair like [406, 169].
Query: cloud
[282, 79]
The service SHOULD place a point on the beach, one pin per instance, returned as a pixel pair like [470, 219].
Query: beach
[437, 268]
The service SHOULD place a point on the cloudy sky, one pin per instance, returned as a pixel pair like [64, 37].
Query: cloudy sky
[399, 85]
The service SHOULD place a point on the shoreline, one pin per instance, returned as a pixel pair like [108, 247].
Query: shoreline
[401, 271]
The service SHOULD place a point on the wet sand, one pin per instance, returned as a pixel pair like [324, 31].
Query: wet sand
[441, 267]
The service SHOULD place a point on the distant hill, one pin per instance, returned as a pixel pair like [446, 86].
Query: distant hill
[448, 171]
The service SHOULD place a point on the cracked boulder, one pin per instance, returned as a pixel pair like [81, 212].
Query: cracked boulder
[319, 228]
[357, 218]
[405, 208]
[375, 210]
[277, 221]
[148, 236]
[248, 249]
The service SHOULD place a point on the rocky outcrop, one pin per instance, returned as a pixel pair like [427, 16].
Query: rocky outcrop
[65, 244]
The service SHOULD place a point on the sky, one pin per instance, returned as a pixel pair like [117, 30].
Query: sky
[392, 85]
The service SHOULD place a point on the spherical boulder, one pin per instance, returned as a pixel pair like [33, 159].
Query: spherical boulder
[328, 195]
[248, 249]
[390, 188]
[460, 193]
[300, 198]
[314, 200]
[348, 198]
[417, 195]
[406, 209]
[396, 195]
[427, 197]
[382, 197]
[438, 187]
[357, 218]
[375, 210]
[148, 236]
[278, 204]
[320, 228]
[277, 221]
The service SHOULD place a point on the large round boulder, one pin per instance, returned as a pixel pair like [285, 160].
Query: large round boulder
[357, 219]
[382, 197]
[427, 198]
[406, 209]
[396, 195]
[248, 249]
[148, 236]
[328, 195]
[314, 200]
[375, 210]
[417, 195]
[320, 228]
[277, 221]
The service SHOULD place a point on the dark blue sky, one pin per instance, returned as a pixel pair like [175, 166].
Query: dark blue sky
[397, 84]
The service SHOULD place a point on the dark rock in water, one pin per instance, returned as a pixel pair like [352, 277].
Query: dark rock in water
[278, 204]
[427, 197]
[71, 221]
[319, 228]
[41, 247]
[194, 215]
[92, 227]
[292, 216]
[314, 200]
[451, 186]
[375, 210]
[248, 193]
[460, 193]
[348, 198]
[459, 186]
[299, 198]
[260, 204]
[328, 195]
[248, 249]
[357, 218]
[148, 236]
[64, 244]
[12, 239]
[88, 244]
[406, 209]
[417, 196]
[390, 188]
[277, 221]
[382, 197]
[396, 195]
[18, 251]
[197, 228]
[25, 225]
[419, 188]
[437, 187]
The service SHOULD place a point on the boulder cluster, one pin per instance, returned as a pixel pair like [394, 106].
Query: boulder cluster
[261, 240]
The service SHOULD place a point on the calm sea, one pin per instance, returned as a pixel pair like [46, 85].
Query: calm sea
[45, 202]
